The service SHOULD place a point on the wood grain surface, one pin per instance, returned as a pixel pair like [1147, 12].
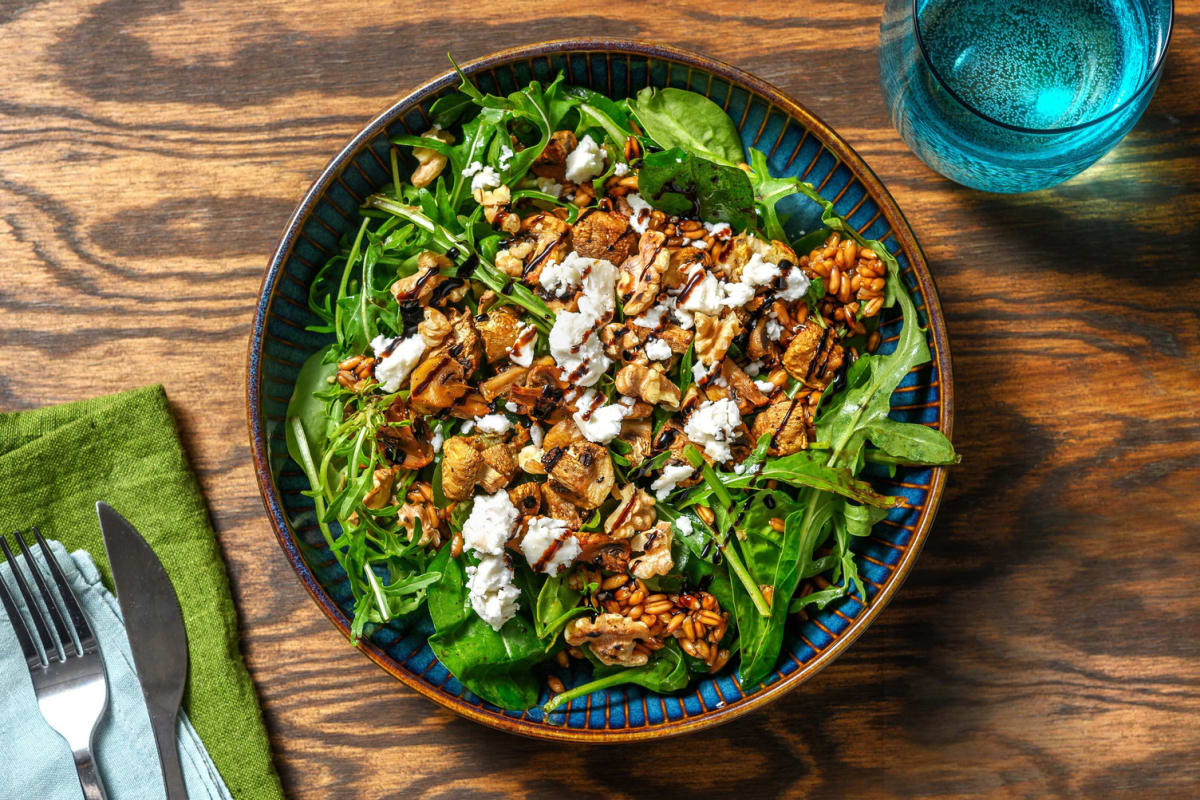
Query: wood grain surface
[1047, 643]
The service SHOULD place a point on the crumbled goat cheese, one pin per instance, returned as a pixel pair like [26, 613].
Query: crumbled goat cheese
[704, 296]
[577, 349]
[759, 272]
[737, 294]
[599, 424]
[521, 353]
[585, 162]
[657, 350]
[558, 278]
[467, 427]
[713, 426]
[493, 423]
[797, 285]
[493, 595]
[490, 523]
[536, 433]
[549, 186]
[699, 244]
[773, 328]
[700, 372]
[439, 438]
[753, 368]
[671, 477]
[548, 546]
[621, 169]
[684, 525]
[472, 168]
[506, 155]
[599, 287]
[392, 369]
[487, 178]
[641, 211]
[742, 469]
[652, 317]
[765, 386]
[627, 401]
[511, 407]
[718, 229]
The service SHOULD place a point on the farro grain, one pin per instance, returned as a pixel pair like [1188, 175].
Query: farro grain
[659, 607]
[613, 581]
[873, 307]
[676, 621]
[709, 618]
[555, 684]
[706, 514]
[689, 629]
[777, 524]
[456, 545]
[561, 658]
[709, 602]
[634, 612]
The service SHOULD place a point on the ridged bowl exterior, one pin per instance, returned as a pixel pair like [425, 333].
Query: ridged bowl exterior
[796, 143]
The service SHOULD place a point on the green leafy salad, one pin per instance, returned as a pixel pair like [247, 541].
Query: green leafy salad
[584, 399]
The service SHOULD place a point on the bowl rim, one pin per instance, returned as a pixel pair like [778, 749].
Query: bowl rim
[888, 209]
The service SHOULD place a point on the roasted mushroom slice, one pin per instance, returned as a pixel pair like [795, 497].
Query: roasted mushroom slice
[655, 548]
[552, 161]
[501, 382]
[648, 384]
[603, 234]
[552, 242]
[786, 421]
[814, 356]
[559, 507]
[564, 433]
[612, 638]
[583, 472]
[437, 383]
[634, 513]
[499, 467]
[527, 498]
[464, 343]
[404, 439]
[742, 388]
[641, 275]
[603, 551]
[498, 329]
[461, 464]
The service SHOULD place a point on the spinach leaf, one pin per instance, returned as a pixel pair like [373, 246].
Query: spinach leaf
[677, 182]
[596, 110]
[690, 121]
[557, 604]
[492, 664]
[760, 638]
[914, 443]
[311, 411]
[666, 672]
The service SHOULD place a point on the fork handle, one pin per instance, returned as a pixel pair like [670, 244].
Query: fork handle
[89, 778]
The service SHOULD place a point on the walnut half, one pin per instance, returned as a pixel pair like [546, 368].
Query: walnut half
[648, 384]
[612, 637]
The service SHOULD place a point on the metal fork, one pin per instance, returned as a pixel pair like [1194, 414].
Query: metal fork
[70, 684]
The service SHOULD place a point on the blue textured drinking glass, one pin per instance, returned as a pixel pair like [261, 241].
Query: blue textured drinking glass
[1017, 95]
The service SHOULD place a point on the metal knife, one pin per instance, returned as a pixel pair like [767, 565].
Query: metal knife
[157, 638]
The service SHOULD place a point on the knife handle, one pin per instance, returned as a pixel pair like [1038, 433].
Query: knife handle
[168, 755]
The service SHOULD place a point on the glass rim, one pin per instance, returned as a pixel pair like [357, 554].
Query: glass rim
[1151, 77]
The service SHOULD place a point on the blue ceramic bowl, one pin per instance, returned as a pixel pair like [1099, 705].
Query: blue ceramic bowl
[797, 143]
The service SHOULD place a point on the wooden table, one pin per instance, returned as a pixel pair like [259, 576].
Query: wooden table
[1047, 642]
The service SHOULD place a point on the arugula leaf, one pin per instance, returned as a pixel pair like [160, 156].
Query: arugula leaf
[596, 110]
[690, 121]
[807, 468]
[666, 672]
[677, 182]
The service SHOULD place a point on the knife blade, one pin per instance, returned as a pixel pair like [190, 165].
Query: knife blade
[157, 638]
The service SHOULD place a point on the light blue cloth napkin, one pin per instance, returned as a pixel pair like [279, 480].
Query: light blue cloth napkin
[35, 762]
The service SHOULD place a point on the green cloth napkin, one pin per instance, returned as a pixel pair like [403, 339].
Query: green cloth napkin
[56, 462]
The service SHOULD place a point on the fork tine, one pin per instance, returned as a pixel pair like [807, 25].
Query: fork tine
[32, 657]
[87, 639]
[56, 618]
[35, 613]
